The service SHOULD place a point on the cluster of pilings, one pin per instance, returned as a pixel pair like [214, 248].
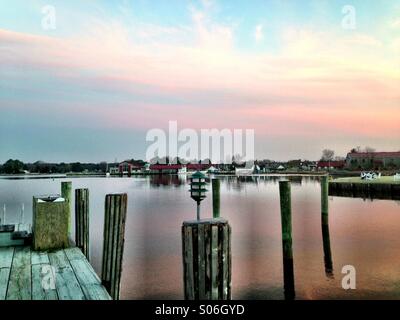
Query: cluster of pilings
[287, 245]
[114, 233]
[206, 246]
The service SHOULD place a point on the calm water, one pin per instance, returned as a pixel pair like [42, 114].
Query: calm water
[364, 234]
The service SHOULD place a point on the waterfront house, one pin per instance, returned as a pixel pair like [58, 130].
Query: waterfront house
[166, 168]
[325, 165]
[373, 160]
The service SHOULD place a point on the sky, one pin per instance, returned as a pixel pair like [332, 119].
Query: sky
[86, 80]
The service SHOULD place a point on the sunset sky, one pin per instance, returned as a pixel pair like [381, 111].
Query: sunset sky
[91, 88]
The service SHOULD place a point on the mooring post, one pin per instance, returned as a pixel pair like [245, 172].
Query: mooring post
[66, 193]
[286, 219]
[216, 186]
[325, 226]
[325, 200]
[50, 223]
[113, 244]
[82, 220]
[207, 262]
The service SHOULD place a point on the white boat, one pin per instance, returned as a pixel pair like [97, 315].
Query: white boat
[396, 176]
[244, 171]
[370, 175]
[182, 170]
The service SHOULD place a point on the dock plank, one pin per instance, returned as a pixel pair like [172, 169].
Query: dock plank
[20, 282]
[4, 276]
[43, 287]
[6, 256]
[40, 258]
[67, 284]
[87, 277]
[88, 281]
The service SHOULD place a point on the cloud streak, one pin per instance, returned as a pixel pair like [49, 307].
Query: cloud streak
[117, 76]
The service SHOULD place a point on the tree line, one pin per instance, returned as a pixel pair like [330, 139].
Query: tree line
[18, 167]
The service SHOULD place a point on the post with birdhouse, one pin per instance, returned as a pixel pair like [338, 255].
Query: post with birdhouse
[206, 250]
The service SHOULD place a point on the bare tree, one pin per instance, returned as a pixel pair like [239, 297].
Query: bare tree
[369, 149]
[328, 155]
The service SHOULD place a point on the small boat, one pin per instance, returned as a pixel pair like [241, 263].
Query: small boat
[244, 171]
[396, 176]
[370, 175]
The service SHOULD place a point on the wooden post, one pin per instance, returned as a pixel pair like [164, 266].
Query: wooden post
[50, 224]
[286, 218]
[325, 226]
[66, 193]
[82, 220]
[113, 244]
[206, 250]
[216, 185]
[325, 200]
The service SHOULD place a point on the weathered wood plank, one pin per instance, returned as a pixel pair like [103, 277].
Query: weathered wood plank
[207, 259]
[89, 281]
[82, 220]
[4, 277]
[76, 254]
[50, 225]
[43, 282]
[20, 283]
[113, 245]
[188, 258]
[66, 193]
[214, 263]
[67, 284]
[120, 245]
[39, 258]
[6, 257]
[201, 263]
[225, 263]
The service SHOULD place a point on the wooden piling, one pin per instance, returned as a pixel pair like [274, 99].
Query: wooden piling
[216, 186]
[113, 244]
[82, 220]
[206, 250]
[325, 226]
[286, 219]
[66, 193]
[50, 224]
[325, 200]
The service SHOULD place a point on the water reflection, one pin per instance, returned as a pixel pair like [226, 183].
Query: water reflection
[159, 180]
[364, 234]
[327, 251]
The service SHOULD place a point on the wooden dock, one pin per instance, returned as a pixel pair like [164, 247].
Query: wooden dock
[385, 188]
[23, 275]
